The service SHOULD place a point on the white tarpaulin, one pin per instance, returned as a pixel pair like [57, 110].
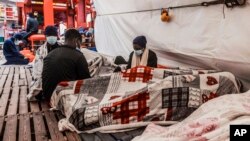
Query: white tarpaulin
[197, 36]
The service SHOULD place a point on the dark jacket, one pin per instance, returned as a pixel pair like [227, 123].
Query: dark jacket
[32, 25]
[10, 49]
[152, 59]
[52, 47]
[63, 64]
[12, 54]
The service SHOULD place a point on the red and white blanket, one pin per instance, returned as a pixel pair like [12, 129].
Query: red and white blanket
[137, 97]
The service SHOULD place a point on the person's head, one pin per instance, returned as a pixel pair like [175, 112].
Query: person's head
[91, 30]
[35, 14]
[18, 38]
[139, 44]
[51, 34]
[73, 38]
[31, 15]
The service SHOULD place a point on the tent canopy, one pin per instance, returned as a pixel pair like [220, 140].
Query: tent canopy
[195, 37]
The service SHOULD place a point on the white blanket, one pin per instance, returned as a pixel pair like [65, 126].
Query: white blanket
[210, 122]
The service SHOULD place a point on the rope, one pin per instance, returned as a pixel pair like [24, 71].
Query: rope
[175, 7]
[130, 12]
[200, 4]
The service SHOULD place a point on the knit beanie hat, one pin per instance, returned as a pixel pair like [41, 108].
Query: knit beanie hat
[140, 40]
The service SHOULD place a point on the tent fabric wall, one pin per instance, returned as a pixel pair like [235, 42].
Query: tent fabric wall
[195, 37]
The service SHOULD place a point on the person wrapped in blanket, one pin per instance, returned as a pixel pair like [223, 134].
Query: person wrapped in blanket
[66, 63]
[11, 51]
[50, 44]
[141, 56]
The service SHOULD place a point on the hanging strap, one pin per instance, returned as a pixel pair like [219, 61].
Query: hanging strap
[199, 4]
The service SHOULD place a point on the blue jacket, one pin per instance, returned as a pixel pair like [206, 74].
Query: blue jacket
[10, 49]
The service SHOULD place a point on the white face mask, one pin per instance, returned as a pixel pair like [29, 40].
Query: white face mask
[51, 39]
[138, 52]
[17, 42]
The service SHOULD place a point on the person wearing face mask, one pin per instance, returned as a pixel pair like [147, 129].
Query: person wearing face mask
[11, 51]
[141, 56]
[50, 44]
[66, 63]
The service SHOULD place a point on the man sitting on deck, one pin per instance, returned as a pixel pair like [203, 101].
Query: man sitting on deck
[11, 51]
[141, 56]
[50, 44]
[66, 63]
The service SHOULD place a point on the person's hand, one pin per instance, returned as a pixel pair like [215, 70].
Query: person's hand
[26, 58]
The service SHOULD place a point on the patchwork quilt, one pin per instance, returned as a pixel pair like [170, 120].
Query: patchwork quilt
[137, 97]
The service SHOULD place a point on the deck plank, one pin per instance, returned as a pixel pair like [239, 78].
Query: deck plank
[9, 78]
[40, 131]
[17, 69]
[2, 80]
[55, 134]
[28, 75]
[1, 126]
[23, 103]
[6, 70]
[22, 72]
[72, 136]
[12, 110]
[45, 106]
[4, 101]
[10, 129]
[34, 106]
[1, 70]
[1, 91]
[16, 77]
[22, 82]
[24, 128]
[15, 81]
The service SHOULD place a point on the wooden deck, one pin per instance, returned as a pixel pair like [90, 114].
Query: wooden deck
[21, 120]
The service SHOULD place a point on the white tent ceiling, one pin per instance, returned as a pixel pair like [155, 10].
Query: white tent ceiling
[198, 36]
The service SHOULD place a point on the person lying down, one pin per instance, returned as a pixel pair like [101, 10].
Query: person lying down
[137, 97]
[211, 121]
